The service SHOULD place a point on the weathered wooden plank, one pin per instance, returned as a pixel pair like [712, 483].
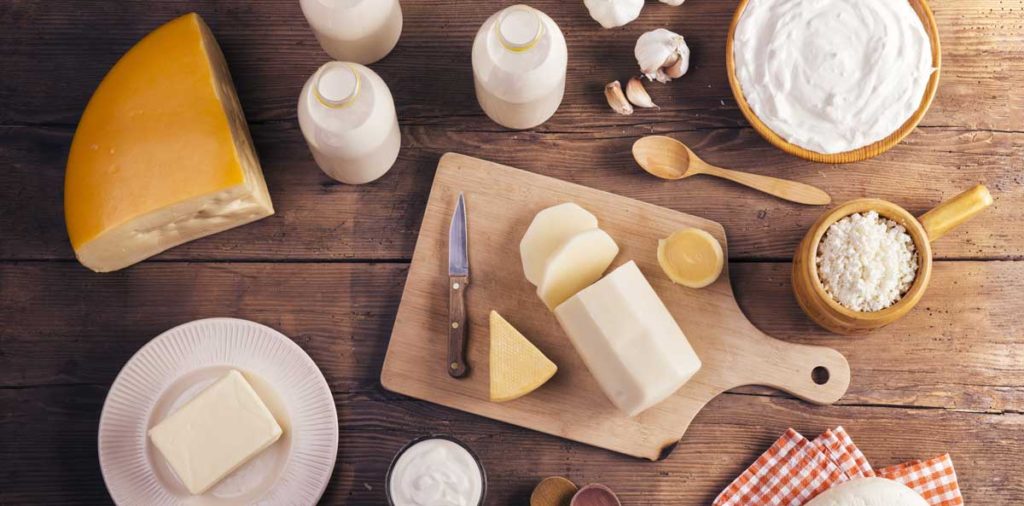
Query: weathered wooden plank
[56, 52]
[48, 454]
[319, 219]
[959, 349]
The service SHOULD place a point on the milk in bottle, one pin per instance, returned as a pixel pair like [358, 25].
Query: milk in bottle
[348, 118]
[360, 31]
[519, 65]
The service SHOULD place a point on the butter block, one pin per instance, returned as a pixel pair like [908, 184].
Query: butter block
[215, 433]
[162, 154]
[628, 340]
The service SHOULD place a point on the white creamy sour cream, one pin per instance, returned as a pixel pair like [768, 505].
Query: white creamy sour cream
[832, 75]
[436, 472]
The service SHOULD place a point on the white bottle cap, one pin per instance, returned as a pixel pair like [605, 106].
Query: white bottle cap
[520, 27]
[337, 85]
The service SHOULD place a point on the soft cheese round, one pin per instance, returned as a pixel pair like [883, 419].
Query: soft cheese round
[869, 492]
[832, 76]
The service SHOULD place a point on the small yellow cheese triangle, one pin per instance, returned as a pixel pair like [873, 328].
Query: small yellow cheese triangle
[517, 366]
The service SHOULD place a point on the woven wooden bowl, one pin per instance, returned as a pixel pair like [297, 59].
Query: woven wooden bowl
[866, 152]
[828, 313]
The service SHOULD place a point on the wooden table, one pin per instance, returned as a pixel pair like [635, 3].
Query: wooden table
[329, 268]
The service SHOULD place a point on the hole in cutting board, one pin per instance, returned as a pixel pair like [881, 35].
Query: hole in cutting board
[820, 375]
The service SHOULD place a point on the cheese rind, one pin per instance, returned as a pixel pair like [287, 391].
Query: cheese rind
[215, 433]
[548, 231]
[628, 340]
[162, 154]
[517, 366]
[579, 262]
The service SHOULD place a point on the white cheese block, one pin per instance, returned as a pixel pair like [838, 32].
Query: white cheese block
[215, 433]
[869, 492]
[576, 265]
[548, 231]
[628, 340]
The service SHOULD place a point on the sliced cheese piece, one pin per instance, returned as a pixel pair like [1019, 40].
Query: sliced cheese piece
[215, 433]
[550, 229]
[691, 257]
[517, 366]
[869, 492]
[162, 154]
[628, 340]
[576, 265]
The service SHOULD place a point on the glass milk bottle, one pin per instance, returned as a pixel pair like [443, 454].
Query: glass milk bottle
[347, 116]
[360, 31]
[519, 65]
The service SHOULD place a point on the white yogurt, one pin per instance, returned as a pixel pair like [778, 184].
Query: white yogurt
[436, 472]
[832, 75]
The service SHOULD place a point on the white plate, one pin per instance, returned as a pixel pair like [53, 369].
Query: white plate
[171, 369]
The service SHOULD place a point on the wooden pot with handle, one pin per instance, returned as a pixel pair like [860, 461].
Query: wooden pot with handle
[934, 224]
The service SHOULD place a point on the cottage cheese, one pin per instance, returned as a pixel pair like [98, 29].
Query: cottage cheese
[832, 75]
[866, 262]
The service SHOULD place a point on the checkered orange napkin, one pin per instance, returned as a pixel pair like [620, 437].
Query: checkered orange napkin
[794, 470]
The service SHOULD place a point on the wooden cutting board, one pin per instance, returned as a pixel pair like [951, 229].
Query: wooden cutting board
[501, 202]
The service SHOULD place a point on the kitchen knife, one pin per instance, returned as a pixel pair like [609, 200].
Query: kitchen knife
[458, 280]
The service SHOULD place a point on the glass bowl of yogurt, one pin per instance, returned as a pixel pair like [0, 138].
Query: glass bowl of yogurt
[436, 470]
[833, 81]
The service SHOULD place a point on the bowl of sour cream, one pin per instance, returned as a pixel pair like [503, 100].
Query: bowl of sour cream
[834, 81]
[436, 471]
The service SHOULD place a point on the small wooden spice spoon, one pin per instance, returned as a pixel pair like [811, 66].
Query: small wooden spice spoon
[668, 158]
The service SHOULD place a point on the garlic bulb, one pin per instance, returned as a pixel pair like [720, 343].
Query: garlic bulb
[614, 13]
[673, 3]
[662, 55]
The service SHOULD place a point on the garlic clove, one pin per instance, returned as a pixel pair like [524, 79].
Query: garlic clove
[663, 55]
[674, 3]
[614, 13]
[637, 94]
[616, 99]
[678, 68]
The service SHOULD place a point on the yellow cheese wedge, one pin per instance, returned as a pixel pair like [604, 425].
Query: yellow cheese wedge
[691, 257]
[517, 366]
[162, 154]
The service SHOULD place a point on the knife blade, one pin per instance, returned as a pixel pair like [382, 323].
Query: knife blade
[458, 280]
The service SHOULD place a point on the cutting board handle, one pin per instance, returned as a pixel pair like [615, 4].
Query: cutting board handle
[815, 374]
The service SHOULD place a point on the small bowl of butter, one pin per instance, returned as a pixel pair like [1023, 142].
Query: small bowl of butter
[833, 81]
[434, 470]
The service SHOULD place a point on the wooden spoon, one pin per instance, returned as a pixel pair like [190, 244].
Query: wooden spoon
[668, 158]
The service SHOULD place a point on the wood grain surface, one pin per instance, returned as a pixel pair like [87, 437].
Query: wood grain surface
[329, 268]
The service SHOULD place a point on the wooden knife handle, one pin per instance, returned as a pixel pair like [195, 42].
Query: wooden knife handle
[457, 330]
